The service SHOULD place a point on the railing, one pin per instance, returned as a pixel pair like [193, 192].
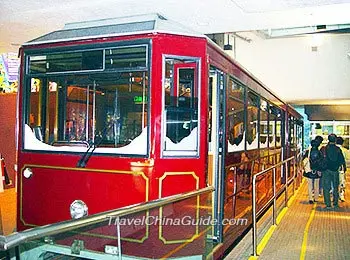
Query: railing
[255, 213]
[16, 239]
[249, 165]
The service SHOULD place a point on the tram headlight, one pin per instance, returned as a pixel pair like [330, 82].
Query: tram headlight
[78, 209]
[27, 173]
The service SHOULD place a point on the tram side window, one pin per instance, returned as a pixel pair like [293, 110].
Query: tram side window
[235, 107]
[292, 140]
[252, 121]
[180, 128]
[279, 128]
[299, 128]
[275, 136]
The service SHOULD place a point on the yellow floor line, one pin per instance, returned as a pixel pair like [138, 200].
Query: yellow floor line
[306, 232]
[266, 239]
[280, 216]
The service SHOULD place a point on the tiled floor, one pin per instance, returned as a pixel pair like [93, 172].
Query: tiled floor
[308, 231]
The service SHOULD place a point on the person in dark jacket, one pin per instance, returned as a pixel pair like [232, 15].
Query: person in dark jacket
[315, 158]
[342, 181]
[334, 159]
[319, 140]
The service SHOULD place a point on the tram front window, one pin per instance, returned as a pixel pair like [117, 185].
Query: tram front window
[108, 110]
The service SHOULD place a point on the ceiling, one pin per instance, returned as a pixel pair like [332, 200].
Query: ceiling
[24, 20]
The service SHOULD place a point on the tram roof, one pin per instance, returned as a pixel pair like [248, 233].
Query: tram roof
[138, 24]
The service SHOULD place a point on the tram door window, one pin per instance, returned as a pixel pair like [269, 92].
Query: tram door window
[181, 92]
[216, 158]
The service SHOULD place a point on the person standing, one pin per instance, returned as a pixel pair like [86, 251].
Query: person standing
[315, 158]
[334, 159]
[342, 178]
[320, 145]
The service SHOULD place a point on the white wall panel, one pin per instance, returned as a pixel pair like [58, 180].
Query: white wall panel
[291, 69]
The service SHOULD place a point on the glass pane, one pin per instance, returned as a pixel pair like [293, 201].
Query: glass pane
[34, 114]
[51, 109]
[253, 99]
[177, 230]
[252, 125]
[291, 131]
[126, 57]
[235, 125]
[278, 132]
[272, 130]
[108, 110]
[264, 129]
[235, 90]
[68, 61]
[181, 107]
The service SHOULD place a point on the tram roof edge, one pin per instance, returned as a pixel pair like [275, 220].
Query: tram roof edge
[138, 24]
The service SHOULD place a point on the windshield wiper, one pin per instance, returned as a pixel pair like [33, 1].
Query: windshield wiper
[92, 146]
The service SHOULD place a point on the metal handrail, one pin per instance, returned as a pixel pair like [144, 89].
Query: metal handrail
[253, 160]
[255, 214]
[15, 239]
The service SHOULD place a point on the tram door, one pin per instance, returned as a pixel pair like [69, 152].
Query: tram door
[216, 150]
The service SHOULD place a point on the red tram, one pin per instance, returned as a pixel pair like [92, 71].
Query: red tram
[118, 112]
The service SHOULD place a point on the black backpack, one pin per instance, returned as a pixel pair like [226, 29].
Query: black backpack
[332, 155]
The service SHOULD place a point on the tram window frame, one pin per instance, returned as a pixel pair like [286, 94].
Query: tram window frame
[43, 102]
[181, 113]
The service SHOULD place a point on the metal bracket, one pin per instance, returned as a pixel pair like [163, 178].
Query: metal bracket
[77, 246]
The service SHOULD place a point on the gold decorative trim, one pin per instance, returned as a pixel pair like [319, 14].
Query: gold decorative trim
[140, 173]
[160, 232]
[122, 238]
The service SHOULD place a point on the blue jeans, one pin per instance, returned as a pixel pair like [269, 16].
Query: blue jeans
[329, 179]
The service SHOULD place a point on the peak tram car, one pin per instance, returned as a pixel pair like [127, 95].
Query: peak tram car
[119, 113]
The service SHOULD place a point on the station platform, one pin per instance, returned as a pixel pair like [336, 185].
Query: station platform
[303, 231]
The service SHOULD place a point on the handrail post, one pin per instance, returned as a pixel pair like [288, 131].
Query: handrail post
[255, 236]
[234, 190]
[286, 184]
[294, 171]
[119, 240]
[274, 197]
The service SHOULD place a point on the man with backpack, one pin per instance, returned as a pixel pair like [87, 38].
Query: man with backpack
[333, 160]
